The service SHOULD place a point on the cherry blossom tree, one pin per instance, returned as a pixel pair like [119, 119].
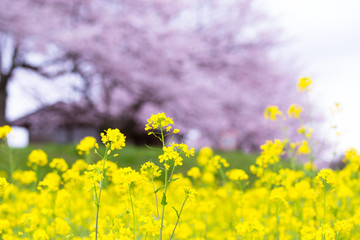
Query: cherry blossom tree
[208, 64]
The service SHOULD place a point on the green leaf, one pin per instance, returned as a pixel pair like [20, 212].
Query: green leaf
[159, 188]
[177, 213]
[163, 200]
[152, 148]
[173, 180]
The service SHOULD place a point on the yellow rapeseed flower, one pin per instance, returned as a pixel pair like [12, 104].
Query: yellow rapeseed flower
[4, 131]
[304, 148]
[85, 145]
[150, 169]
[190, 192]
[343, 226]
[204, 156]
[94, 174]
[304, 83]
[310, 166]
[24, 177]
[51, 182]
[237, 175]
[251, 229]
[171, 153]
[62, 226]
[271, 152]
[37, 157]
[3, 184]
[325, 177]
[59, 164]
[158, 121]
[307, 133]
[113, 139]
[294, 110]
[126, 178]
[277, 197]
[325, 232]
[40, 234]
[272, 112]
[194, 172]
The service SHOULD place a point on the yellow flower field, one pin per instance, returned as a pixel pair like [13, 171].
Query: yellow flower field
[212, 201]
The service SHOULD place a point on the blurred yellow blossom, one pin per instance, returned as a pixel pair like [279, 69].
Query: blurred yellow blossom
[51, 182]
[3, 184]
[272, 112]
[59, 164]
[271, 152]
[343, 226]
[190, 192]
[325, 232]
[150, 169]
[325, 176]
[237, 174]
[304, 83]
[37, 157]
[24, 177]
[307, 133]
[4, 131]
[304, 148]
[294, 110]
[85, 145]
[194, 172]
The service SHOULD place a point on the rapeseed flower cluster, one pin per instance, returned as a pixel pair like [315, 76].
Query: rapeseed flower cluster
[24, 177]
[37, 158]
[59, 164]
[113, 139]
[271, 153]
[150, 170]
[85, 145]
[160, 121]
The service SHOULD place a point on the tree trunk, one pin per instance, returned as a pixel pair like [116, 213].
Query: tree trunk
[3, 101]
[4, 80]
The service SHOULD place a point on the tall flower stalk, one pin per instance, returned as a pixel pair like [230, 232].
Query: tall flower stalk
[160, 126]
[112, 139]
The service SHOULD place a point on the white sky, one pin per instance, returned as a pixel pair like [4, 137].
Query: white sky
[325, 38]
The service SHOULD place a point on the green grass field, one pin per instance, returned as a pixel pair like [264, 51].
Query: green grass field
[131, 156]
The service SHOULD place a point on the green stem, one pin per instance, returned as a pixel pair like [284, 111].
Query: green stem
[156, 199]
[166, 184]
[323, 235]
[222, 173]
[324, 205]
[97, 207]
[11, 160]
[172, 172]
[133, 213]
[177, 221]
[37, 175]
[163, 204]
[277, 223]
[97, 202]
